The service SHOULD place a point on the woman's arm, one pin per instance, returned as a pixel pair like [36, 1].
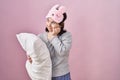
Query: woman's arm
[63, 45]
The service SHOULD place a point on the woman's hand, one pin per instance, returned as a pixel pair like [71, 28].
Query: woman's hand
[54, 32]
[29, 59]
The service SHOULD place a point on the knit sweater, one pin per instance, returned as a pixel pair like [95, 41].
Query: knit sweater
[59, 48]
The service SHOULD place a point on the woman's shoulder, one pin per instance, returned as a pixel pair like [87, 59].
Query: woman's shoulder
[67, 34]
[42, 34]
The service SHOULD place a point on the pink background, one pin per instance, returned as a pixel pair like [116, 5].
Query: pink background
[95, 27]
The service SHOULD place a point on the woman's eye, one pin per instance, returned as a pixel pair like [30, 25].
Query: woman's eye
[47, 19]
[53, 22]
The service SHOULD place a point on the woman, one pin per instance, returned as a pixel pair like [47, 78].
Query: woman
[58, 42]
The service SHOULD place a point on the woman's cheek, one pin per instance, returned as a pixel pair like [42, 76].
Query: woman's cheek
[53, 26]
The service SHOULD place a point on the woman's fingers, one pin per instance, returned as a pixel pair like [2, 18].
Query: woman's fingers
[56, 31]
[29, 59]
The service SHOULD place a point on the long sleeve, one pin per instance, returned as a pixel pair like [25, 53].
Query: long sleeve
[59, 48]
[63, 44]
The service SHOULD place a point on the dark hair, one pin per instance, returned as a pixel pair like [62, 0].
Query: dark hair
[61, 24]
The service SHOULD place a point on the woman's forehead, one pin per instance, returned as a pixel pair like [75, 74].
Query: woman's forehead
[51, 20]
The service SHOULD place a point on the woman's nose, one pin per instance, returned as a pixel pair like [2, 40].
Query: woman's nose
[49, 24]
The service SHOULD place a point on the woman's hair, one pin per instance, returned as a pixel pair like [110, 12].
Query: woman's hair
[61, 24]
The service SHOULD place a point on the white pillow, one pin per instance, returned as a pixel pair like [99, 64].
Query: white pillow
[41, 67]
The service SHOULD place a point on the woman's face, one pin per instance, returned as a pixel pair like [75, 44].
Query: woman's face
[51, 24]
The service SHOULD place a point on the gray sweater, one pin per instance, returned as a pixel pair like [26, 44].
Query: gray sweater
[59, 48]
